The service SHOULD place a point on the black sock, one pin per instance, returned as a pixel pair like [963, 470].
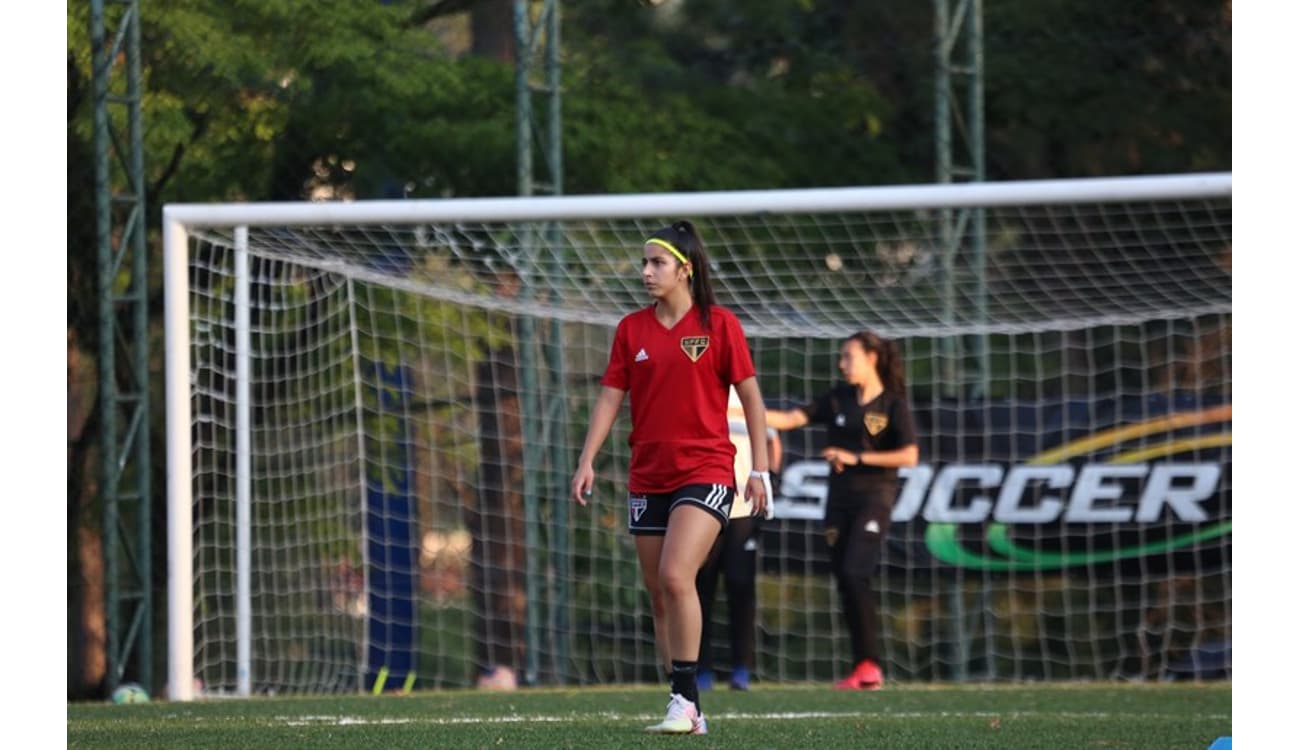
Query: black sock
[683, 681]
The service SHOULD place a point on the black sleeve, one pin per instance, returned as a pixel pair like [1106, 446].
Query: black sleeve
[820, 410]
[904, 427]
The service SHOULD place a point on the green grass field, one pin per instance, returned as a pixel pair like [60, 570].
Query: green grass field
[1094, 715]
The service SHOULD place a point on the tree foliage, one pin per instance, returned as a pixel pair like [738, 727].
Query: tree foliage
[272, 99]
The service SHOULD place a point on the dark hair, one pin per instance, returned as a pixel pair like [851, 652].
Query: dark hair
[889, 362]
[683, 236]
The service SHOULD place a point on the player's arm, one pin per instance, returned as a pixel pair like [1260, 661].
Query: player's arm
[786, 419]
[908, 455]
[758, 490]
[603, 414]
[755, 421]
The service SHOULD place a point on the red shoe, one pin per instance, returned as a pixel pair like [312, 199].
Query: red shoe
[866, 676]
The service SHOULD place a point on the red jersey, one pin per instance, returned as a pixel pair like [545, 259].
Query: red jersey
[677, 379]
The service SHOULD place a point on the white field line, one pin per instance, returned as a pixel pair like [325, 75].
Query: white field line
[770, 716]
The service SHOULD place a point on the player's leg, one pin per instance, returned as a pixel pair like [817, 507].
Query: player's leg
[648, 522]
[691, 533]
[838, 528]
[696, 517]
[740, 569]
[861, 542]
[706, 584]
[649, 550]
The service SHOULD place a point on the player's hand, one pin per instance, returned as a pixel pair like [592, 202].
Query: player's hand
[583, 479]
[758, 491]
[839, 458]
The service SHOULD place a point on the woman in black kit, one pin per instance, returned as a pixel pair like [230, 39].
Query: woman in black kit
[869, 435]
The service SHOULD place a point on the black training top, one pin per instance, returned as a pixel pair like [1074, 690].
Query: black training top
[882, 424]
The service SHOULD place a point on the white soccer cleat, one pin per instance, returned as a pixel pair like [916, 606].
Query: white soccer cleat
[683, 718]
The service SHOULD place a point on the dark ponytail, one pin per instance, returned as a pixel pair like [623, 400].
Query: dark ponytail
[889, 361]
[683, 236]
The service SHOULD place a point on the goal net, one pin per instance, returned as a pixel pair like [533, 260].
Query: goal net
[374, 410]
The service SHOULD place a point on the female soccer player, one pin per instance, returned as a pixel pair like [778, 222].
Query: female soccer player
[869, 435]
[677, 359]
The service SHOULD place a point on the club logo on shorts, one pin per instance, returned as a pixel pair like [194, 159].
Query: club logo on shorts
[636, 506]
[875, 422]
[832, 536]
[695, 346]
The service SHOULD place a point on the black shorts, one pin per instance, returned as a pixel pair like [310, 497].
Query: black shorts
[648, 513]
[856, 532]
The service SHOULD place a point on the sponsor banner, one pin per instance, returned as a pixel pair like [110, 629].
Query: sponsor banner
[1019, 487]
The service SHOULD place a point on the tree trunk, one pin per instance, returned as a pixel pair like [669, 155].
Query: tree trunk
[496, 518]
[87, 650]
[492, 24]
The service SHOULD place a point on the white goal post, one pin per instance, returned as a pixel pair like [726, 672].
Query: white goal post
[350, 385]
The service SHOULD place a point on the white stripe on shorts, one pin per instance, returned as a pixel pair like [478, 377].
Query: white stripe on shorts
[716, 496]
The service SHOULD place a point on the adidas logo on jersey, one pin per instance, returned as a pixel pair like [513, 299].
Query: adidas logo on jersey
[641, 356]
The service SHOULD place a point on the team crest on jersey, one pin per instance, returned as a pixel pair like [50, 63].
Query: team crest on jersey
[875, 422]
[832, 536]
[694, 346]
[636, 506]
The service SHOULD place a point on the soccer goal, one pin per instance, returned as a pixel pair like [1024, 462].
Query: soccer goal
[374, 410]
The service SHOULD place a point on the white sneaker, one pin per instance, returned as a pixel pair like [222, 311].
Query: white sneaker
[683, 718]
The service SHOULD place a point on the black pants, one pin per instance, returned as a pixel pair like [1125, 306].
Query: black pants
[856, 534]
[735, 556]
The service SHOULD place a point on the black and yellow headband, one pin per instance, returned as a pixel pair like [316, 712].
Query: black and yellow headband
[672, 249]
